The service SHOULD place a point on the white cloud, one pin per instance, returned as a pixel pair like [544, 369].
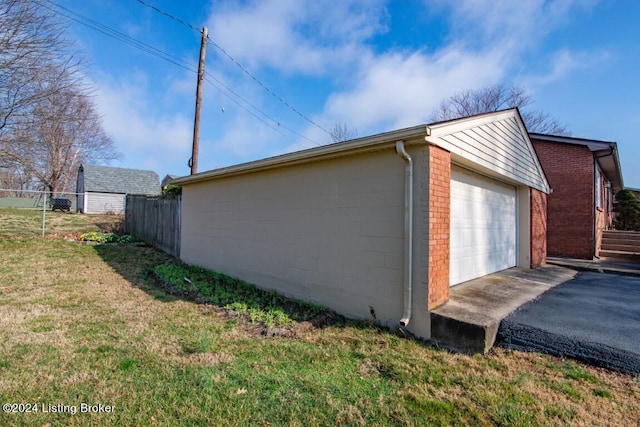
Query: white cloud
[399, 90]
[294, 36]
[513, 23]
[487, 43]
[145, 136]
[563, 63]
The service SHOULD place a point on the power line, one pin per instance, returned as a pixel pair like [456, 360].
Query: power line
[254, 78]
[110, 32]
[232, 59]
[168, 15]
[209, 78]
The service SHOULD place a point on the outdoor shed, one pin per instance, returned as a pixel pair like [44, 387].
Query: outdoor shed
[377, 227]
[102, 189]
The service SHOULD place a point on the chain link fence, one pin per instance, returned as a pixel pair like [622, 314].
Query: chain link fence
[30, 213]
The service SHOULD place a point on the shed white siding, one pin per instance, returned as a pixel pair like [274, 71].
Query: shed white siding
[104, 203]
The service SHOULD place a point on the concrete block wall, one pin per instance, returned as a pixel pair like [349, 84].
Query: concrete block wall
[439, 225]
[538, 206]
[570, 209]
[329, 232]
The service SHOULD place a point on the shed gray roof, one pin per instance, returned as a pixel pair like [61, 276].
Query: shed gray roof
[108, 179]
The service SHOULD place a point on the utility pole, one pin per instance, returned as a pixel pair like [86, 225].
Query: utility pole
[193, 162]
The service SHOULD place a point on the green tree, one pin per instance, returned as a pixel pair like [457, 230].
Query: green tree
[627, 211]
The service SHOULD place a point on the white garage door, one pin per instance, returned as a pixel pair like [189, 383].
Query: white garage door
[483, 225]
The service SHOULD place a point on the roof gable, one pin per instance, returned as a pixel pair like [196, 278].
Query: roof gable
[498, 142]
[108, 179]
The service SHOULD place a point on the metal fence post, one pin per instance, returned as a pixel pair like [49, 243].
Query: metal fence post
[44, 210]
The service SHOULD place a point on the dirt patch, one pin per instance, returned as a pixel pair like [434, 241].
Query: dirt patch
[66, 236]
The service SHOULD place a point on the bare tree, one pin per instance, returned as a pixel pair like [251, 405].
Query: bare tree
[30, 39]
[48, 122]
[65, 131]
[341, 132]
[494, 98]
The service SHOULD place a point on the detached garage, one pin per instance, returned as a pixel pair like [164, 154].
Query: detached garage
[377, 227]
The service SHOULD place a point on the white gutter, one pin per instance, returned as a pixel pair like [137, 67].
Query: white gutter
[408, 232]
[372, 143]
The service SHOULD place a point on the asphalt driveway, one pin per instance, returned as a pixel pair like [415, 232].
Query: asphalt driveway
[594, 318]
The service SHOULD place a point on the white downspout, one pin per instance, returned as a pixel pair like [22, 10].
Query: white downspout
[408, 232]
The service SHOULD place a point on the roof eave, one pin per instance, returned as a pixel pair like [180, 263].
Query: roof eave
[592, 144]
[339, 149]
[609, 162]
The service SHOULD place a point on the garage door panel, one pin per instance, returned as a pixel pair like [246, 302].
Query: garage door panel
[483, 225]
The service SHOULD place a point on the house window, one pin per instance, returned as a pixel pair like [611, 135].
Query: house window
[598, 188]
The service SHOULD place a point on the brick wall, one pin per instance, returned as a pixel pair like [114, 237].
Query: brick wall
[439, 225]
[538, 203]
[570, 211]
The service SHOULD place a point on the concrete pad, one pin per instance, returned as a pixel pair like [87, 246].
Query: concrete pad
[469, 321]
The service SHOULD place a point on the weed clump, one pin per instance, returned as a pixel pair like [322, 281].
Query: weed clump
[95, 236]
[275, 312]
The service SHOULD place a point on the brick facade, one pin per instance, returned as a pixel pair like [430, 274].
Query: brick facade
[538, 203]
[570, 206]
[439, 225]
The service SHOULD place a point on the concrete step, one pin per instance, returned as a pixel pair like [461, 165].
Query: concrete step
[619, 239]
[621, 247]
[620, 242]
[634, 256]
[615, 234]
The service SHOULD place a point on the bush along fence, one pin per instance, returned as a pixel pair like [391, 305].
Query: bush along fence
[154, 220]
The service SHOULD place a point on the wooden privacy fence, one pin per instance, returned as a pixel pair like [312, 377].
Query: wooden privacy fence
[154, 220]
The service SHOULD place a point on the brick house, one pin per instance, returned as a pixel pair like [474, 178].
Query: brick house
[584, 176]
[377, 227]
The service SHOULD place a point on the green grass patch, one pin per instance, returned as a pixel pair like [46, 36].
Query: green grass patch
[574, 371]
[600, 392]
[87, 324]
[563, 414]
[234, 295]
[27, 223]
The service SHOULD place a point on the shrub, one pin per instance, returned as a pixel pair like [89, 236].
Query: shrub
[95, 236]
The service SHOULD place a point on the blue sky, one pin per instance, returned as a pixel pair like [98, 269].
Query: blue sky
[373, 65]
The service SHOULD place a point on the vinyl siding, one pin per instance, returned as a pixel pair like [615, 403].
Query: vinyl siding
[104, 203]
[498, 145]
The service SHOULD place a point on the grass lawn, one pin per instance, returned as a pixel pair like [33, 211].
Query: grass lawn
[90, 324]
